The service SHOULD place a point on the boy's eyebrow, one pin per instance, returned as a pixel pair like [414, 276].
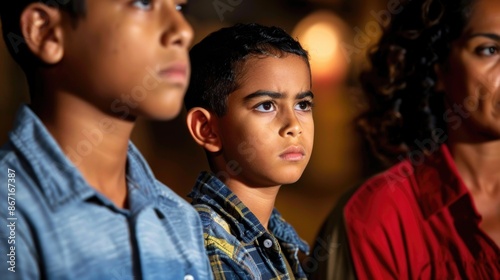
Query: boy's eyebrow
[277, 95]
[261, 93]
[305, 94]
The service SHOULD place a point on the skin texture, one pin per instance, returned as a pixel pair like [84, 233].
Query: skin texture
[269, 113]
[471, 81]
[123, 49]
[122, 60]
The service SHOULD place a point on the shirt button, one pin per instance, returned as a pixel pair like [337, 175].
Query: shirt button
[189, 277]
[268, 243]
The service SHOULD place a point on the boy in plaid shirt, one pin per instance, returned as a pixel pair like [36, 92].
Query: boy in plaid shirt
[250, 108]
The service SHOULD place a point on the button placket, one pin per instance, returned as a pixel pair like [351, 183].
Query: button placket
[268, 243]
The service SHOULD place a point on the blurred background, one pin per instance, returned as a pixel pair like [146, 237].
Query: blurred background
[337, 34]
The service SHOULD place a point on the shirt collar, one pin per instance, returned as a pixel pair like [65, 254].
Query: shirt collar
[437, 182]
[285, 232]
[60, 181]
[211, 191]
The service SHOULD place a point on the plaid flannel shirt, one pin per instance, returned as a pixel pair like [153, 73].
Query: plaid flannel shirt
[238, 245]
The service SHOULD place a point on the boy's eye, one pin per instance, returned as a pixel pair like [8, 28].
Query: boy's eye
[304, 106]
[487, 51]
[265, 107]
[143, 4]
[180, 7]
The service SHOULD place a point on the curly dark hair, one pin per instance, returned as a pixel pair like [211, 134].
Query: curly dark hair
[218, 61]
[10, 14]
[403, 105]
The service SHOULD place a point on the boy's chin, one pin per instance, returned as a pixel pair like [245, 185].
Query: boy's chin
[289, 181]
[161, 116]
[160, 112]
[286, 180]
[280, 176]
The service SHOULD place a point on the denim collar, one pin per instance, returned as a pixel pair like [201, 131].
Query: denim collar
[60, 181]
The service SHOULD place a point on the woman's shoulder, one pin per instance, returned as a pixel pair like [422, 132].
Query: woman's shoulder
[384, 196]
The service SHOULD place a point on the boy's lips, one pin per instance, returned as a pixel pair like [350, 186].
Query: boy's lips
[293, 153]
[175, 73]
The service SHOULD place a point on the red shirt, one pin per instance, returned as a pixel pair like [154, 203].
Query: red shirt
[418, 221]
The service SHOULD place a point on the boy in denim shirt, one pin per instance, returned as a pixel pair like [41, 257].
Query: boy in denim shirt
[83, 203]
[249, 105]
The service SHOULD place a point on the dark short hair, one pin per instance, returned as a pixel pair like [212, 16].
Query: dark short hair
[403, 105]
[10, 14]
[218, 61]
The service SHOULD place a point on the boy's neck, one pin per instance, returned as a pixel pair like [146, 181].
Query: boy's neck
[259, 200]
[96, 143]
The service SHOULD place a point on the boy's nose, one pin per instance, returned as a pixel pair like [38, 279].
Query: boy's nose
[178, 31]
[291, 126]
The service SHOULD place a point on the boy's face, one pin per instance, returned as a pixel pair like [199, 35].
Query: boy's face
[130, 58]
[268, 129]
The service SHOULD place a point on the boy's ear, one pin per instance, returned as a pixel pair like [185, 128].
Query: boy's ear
[203, 129]
[42, 29]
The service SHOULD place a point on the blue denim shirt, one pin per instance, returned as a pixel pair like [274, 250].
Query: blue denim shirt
[238, 245]
[62, 228]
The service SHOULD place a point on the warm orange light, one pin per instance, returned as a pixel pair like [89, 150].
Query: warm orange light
[321, 35]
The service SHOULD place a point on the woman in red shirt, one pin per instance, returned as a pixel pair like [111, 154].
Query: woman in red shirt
[434, 95]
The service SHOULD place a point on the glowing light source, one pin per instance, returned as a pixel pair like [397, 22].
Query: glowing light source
[321, 34]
